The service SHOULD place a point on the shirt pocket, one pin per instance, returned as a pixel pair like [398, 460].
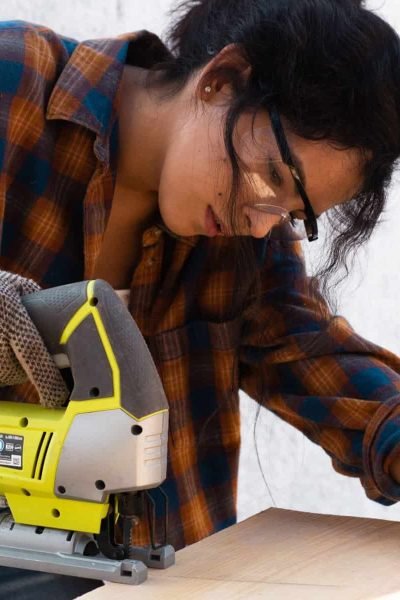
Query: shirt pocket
[198, 365]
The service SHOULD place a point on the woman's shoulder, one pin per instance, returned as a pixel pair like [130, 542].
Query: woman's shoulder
[29, 54]
[26, 31]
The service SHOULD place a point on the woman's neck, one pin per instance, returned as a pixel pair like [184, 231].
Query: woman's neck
[144, 124]
[144, 127]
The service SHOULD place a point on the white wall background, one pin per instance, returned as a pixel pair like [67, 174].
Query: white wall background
[295, 473]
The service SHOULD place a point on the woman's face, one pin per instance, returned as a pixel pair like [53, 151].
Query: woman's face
[196, 176]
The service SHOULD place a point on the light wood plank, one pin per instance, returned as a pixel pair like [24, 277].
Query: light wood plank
[281, 554]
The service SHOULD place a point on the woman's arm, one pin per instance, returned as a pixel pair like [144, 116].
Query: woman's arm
[312, 370]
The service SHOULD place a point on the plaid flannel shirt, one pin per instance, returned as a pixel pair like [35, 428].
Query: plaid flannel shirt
[58, 146]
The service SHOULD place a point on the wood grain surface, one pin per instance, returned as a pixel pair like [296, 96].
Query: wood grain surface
[283, 555]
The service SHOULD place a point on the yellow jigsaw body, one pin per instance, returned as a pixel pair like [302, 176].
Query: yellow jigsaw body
[30, 491]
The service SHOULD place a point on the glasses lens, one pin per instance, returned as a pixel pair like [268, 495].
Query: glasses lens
[282, 225]
[260, 148]
[271, 209]
[291, 230]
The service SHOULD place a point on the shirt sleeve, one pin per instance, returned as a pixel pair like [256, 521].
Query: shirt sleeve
[311, 369]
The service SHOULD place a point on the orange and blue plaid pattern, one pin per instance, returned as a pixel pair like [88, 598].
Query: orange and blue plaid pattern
[58, 145]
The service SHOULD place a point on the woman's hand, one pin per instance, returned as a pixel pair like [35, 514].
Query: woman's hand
[23, 354]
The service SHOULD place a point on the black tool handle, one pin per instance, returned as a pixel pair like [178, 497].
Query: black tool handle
[52, 311]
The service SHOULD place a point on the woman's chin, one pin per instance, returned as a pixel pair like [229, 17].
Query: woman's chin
[180, 229]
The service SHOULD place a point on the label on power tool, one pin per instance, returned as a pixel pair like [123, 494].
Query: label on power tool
[11, 447]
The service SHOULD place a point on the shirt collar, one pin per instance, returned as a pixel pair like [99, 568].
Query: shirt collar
[86, 93]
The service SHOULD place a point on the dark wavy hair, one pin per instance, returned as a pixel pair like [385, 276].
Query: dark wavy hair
[331, 67]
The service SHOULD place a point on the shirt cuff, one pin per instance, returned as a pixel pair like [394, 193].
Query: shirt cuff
[381, 447]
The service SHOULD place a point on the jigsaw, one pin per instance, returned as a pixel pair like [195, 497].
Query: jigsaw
[75, 480]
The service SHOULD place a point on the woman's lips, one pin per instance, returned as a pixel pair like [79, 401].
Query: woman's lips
[211, 226]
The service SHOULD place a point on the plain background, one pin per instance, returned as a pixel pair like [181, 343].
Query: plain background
[279, 466]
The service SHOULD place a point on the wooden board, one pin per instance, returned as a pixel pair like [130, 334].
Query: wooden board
[280, 554]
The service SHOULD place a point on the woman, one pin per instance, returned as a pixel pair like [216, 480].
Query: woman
[187, 176]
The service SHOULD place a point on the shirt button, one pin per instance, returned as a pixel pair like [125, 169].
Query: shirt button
[150, 261]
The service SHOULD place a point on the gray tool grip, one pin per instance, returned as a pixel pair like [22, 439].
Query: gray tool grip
[52, 309]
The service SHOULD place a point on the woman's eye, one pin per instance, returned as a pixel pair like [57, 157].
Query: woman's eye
[275, 177]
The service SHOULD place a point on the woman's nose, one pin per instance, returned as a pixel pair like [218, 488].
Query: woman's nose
[260, 223]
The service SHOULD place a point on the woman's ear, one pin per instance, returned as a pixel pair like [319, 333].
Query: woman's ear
[226, 73]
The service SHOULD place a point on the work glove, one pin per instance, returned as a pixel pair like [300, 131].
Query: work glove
[23, 354]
